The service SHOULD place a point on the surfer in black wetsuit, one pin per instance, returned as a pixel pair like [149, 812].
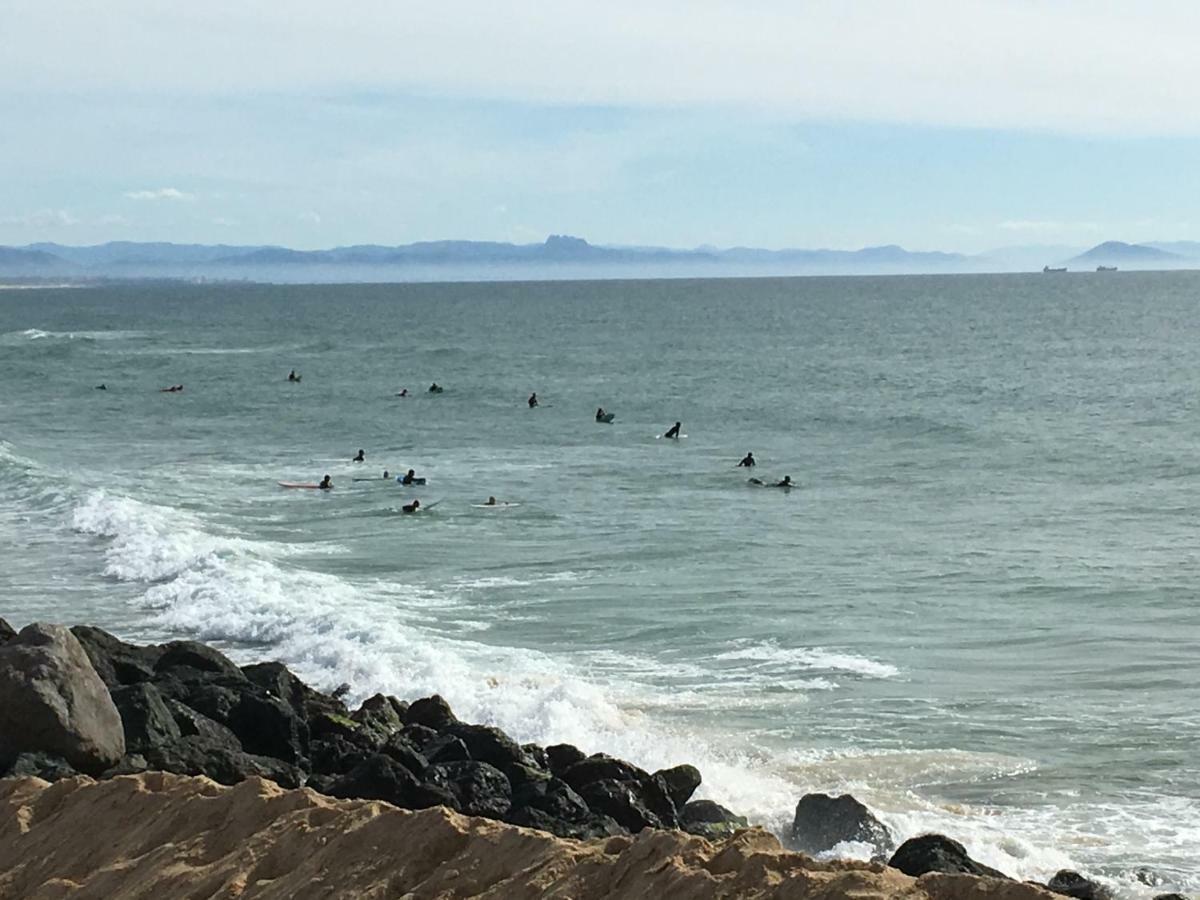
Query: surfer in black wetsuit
[747, 461]
[786, 483]
[491, 501]
[673, 432]
[362, 456]
[102, 387]
[435, 388]
[292, 376]
[411, 507]
[386, 475]
[533, 400]
[326, 483]
[409, 477]
[600, 414]
[403, 393]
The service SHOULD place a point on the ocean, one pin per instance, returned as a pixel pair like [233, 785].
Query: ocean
[977, 610]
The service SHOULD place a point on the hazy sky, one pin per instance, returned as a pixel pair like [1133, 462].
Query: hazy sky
[952, 124]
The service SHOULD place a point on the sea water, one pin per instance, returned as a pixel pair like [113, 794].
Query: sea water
[977, 611]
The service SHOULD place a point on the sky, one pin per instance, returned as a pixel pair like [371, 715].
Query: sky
[960, 125]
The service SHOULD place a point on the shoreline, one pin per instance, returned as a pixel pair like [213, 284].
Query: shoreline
[122, 710]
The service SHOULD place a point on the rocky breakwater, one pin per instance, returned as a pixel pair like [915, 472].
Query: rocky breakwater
[81, 701]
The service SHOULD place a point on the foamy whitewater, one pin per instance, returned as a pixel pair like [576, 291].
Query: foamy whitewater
[976, 612]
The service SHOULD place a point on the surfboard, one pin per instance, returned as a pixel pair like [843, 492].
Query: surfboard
[387, 480]
[660, 437]
[301, 484]
[493, 505]
[400, 481]
[607, 418]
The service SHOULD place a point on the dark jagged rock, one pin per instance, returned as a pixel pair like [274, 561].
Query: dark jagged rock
[381, 716]
[145, 717]
[649, 792]
[268, 726]
[519, 775]
[552, 797]
[822, 822]
[379, 777]
[405, 753]
[328, 725]
[491, 745]
[480, 788]
[446, 748]
[561, 757]
[432, 712]
[938, 853]
[195, 724]
[620, 801]
[538, 755]
[6, 632]
[53, 701]
[194, 655]
[205, 694]
[40, 765]
[1170, 897]
[710, 820]
[335, 755]
[196, 756]
[115, 661]
[278, 681]
[599, 768]
[420, 736]
[1072, 884]
[680, 783]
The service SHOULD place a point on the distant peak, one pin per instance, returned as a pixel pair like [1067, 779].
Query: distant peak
[563, 241]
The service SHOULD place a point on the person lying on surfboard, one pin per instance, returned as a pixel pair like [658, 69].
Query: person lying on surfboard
[326, 483]
[411, 507]
[787, 482]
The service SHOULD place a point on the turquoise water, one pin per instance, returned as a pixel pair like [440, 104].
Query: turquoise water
[977, 611]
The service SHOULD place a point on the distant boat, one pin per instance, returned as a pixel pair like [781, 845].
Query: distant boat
[1106, 268]
[1049, 269]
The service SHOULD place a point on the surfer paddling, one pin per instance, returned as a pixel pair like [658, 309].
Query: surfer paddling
[411, 507]
[326, 483]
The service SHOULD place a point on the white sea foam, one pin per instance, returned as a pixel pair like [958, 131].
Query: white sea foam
[37, 334]
[770, 654]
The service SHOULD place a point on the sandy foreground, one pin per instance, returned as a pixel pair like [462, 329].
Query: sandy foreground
[160, 836]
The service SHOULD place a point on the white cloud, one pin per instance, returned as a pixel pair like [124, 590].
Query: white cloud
[112, 219]
[167, 193]
[311, 217]
[43, 218]
[1070, 65]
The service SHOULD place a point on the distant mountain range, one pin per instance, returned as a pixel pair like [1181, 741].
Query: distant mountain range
[559, 256]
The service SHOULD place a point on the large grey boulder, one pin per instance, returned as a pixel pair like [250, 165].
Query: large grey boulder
[52, 701]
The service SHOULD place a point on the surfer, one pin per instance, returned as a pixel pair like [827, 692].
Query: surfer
[411, 507]
[435, 388]
[409, 477]
[403, 392]
[786, 483]
[292, 376]
[102, 387]
[491, 501]
[386, 475]
[747, 461]
[173, 389]
[673, 432]
[533, 400]
[600, 414]
[362, 456]
[326, 483]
